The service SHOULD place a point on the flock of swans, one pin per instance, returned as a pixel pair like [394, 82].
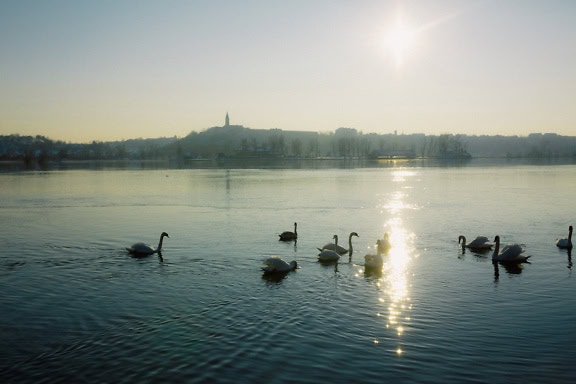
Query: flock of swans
[331, 252]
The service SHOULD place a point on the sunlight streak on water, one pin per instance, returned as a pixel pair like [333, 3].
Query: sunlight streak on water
[394, 282]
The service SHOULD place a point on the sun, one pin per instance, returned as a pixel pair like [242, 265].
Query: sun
[399, 39]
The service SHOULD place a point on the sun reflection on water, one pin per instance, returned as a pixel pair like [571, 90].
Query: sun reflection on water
[394, 281]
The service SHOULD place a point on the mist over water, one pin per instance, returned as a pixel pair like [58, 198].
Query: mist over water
[76, 307]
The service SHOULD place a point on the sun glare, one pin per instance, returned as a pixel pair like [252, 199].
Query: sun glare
[401, 36]
[399, 39]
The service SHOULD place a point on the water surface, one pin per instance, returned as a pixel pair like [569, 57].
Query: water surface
[76, 307]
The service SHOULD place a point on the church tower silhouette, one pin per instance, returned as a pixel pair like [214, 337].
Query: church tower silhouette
[227, 124]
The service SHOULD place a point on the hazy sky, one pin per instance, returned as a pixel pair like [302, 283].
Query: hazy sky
[117, 69]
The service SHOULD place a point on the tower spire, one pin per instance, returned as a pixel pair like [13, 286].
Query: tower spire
[227, 124]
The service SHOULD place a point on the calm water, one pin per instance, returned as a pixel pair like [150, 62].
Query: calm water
[76, 308]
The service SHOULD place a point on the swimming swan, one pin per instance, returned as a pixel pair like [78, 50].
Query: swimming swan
[275, 264]
[141, 249]
[565, 243]
[374, 261]
[337, 248]
[512, 253]
[332, 246]
[384, 245]
[328, 255]
[479, 243]
[289, 236]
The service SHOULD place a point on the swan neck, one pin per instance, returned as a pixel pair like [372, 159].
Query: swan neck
[350, 250]
[496, 249]
[160, 244]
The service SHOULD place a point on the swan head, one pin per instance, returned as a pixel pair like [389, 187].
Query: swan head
[164, 234]
[497, 239]
[354, 234]
[461, 239]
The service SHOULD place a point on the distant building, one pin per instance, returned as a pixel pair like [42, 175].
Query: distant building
[227, 123]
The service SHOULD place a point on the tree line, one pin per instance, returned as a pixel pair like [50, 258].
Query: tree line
[241, 142]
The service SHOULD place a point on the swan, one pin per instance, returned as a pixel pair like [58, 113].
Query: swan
[511, 253]
[565, 243]
[377, 261]
[275, 264]
[479, 243]
[334, 246]
[373, 261]
[337, 248]
[384, 245]
[141, 249]
[328, 255]
[289, 236]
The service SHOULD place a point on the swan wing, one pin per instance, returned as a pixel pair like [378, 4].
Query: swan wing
[512, 252]
[141, 248]
[287, 235]
[276, 264]
[563, 243]
[480, 242]
[328, 255]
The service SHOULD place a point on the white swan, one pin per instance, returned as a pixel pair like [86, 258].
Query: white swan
[565, 243]
[275, 264]
[337, 248]
[384, 245]
[377, 261]
[328, 255]
[511, 253]
[479, 243]
[289, 236]
[333, 246]
[141, 249]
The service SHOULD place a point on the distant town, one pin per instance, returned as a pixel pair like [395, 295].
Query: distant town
[238, 142]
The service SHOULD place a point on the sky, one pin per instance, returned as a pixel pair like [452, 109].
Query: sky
[106, 70]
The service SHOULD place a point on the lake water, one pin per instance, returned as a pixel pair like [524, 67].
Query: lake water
[75, 307]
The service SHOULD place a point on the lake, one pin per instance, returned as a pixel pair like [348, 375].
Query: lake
[76, 307]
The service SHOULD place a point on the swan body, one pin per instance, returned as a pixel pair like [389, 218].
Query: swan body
[328, 255]
[142, 249]
[275, 264]
[373, 261]
[289, 236]
[565, 243]
[479, 243]
[337, 248]
[511, 253]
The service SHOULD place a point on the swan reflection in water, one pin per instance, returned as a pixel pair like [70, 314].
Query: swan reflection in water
[510, 268]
